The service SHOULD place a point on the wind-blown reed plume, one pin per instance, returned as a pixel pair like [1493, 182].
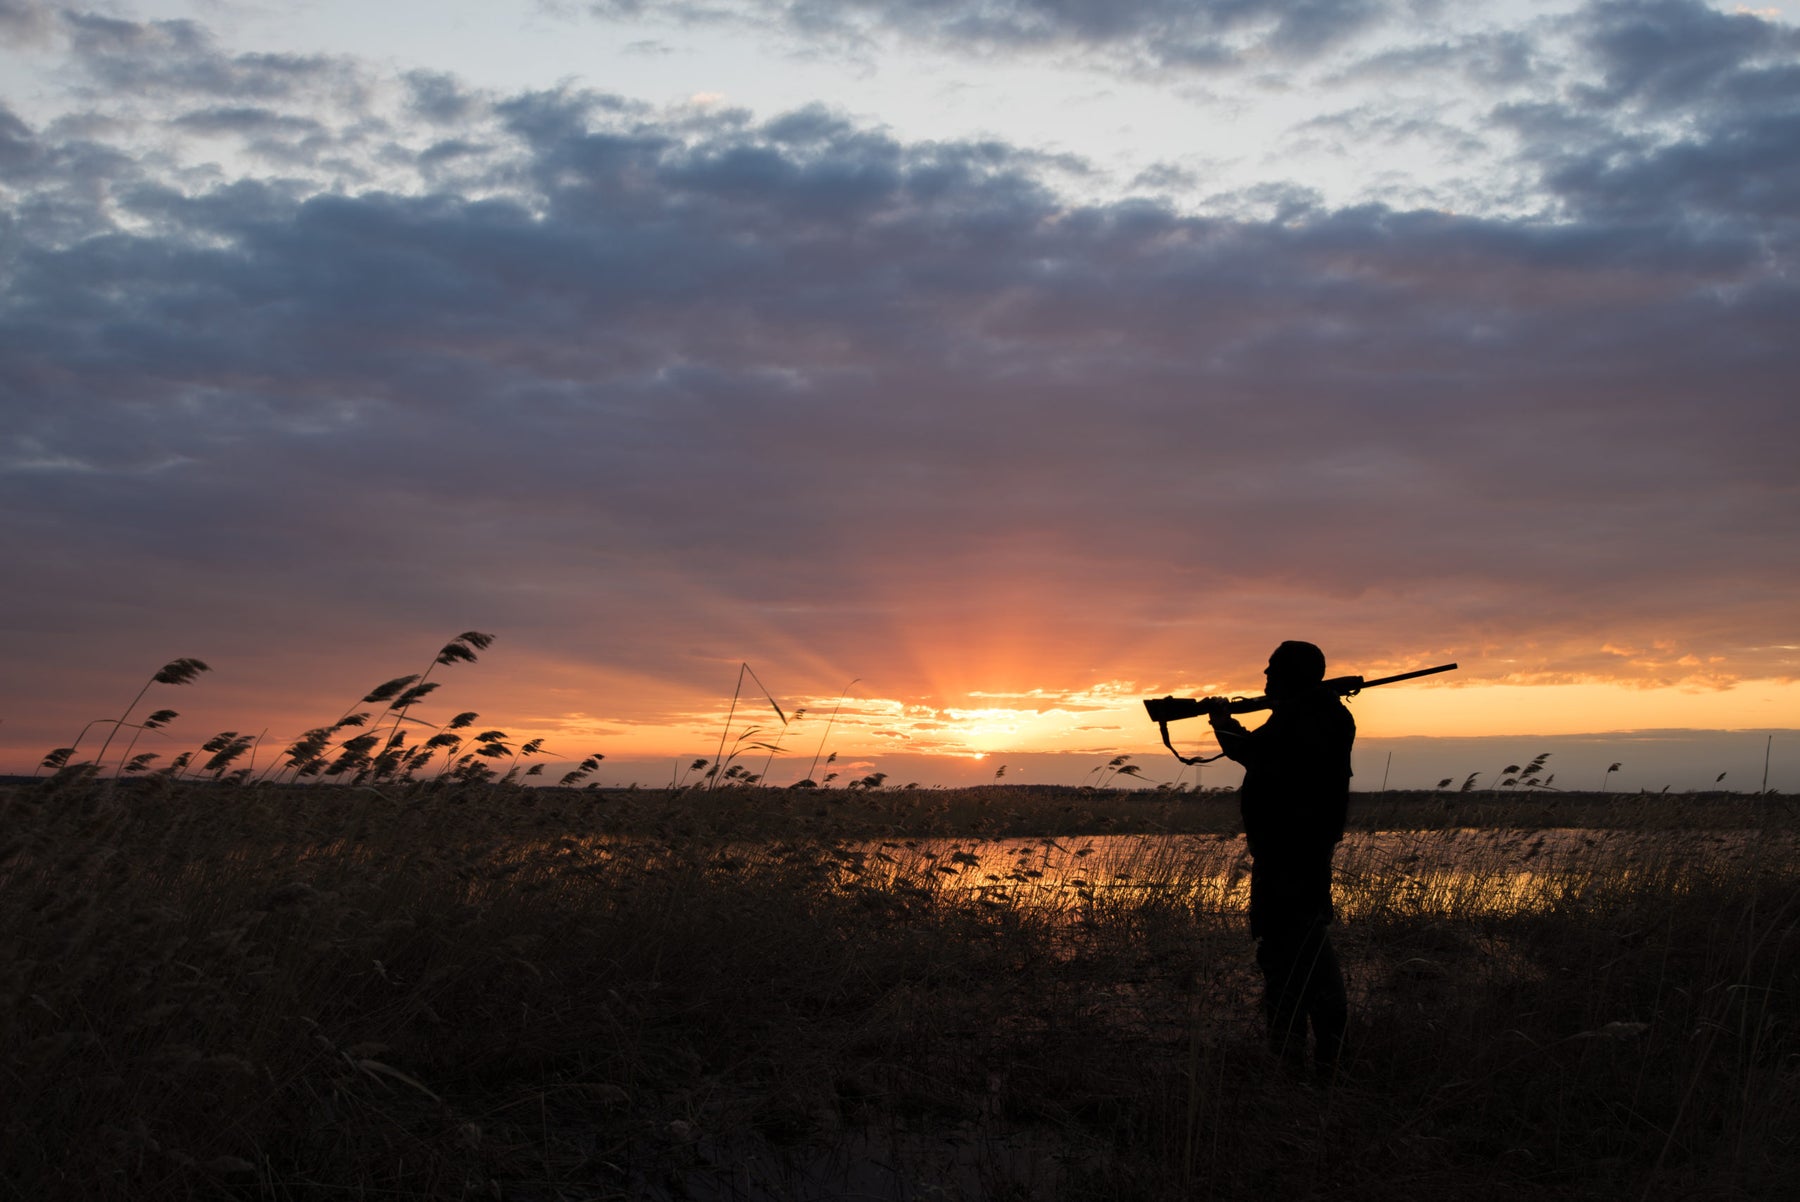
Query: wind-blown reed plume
[387, 690]
[224, 748]
[441, 739]
[1514, 774]
[493, 744]
[459, 650]
[463, 647]
[581, 770]
[156, 721]
[525, 749]
[412, 695]
[58, 758]
[386, 765]
[814, 767]
[433, 745]
[779, 735]
[353, 755]
[468, 768]
[739, 773]
[731, 714]
[176, 671]
[305, 756]
[1119, 765]
[177, 766]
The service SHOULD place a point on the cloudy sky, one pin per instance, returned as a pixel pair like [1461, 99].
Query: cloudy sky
[1011, 359]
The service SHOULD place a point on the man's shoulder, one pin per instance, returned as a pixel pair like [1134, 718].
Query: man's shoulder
[1320, 700]
[1321, 707]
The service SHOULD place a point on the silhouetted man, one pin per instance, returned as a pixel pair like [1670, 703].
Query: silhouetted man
[1294, 798]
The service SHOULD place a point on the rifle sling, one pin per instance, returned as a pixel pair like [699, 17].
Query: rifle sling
[1199, 759]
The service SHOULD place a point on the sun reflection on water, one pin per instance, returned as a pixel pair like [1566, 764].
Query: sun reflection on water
[1453, 873]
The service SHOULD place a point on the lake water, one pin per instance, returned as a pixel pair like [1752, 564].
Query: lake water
[1457, 871]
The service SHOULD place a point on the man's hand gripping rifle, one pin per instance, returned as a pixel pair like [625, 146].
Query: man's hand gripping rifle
[1164, 710]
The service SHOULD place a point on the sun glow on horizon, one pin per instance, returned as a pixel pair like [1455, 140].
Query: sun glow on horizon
[1110, 717]
[868, 735]
[641, 715]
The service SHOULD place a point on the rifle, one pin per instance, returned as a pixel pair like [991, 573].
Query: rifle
[1164, 710]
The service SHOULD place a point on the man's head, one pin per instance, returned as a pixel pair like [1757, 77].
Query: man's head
[1294, 667]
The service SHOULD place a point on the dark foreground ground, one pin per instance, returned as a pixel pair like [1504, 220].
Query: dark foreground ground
[762, 994]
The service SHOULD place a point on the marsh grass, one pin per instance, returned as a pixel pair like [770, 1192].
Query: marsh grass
[319, 992]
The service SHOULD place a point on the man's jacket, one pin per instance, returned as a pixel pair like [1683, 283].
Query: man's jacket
[1296, 789]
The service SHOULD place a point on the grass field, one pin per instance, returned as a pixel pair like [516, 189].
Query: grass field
[313, 992]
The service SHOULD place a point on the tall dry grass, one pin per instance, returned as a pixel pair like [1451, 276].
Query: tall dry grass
[331, 992]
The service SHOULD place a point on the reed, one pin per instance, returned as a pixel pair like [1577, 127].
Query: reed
[323, 991]
[62, 759]
[722, 770]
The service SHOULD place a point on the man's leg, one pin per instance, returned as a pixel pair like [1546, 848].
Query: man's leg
[1327, 1004]
[1302, 981]
[1278, 954]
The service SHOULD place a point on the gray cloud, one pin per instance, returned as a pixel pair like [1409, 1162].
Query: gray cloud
[1487, 60]
[246, 120]
[1174, 35]
[1692, 116]
[182, 58]
[439, 97]
[27, 22]
[18, 146]
[1681, 54]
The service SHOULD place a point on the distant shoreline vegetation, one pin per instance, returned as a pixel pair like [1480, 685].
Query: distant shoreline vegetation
[983, 811]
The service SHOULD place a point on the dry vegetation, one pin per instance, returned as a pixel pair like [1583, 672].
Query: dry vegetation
[317, 992]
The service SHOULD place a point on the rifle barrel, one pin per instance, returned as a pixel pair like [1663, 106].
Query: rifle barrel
[1369, 684]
